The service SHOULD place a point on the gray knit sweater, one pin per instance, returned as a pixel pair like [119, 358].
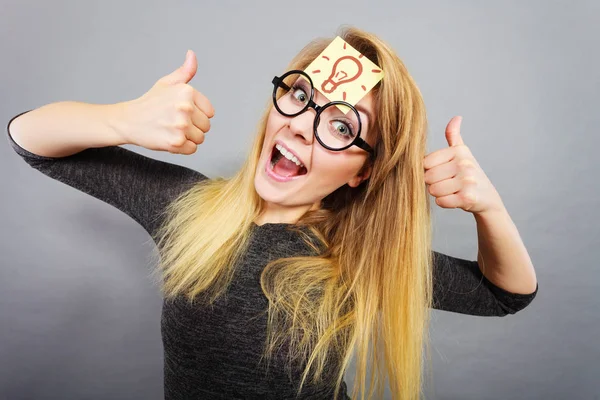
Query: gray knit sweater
[213, 352]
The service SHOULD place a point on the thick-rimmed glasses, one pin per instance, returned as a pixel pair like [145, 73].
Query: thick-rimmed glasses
[335, 130]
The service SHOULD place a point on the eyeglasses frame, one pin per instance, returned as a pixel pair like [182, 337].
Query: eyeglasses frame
[358, 141]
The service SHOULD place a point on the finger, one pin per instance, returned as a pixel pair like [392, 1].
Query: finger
[453, 136]
[445, 187]
[195, 135]
[187, 148]
[203, 104]
[438, 157]
[184, 73]
[200, 120]
[464, 199]
[450, 201]
[441, 172]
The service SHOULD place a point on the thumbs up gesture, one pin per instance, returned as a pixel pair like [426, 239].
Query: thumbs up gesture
[455, 179]
[172, 116]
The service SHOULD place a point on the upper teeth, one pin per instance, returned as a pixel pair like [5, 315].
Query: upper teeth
[288, 155]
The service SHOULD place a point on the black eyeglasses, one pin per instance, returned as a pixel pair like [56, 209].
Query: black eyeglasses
[335, 130]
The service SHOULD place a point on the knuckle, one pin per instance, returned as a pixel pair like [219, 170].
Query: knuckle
[466, 165]
[464, 162]
[187, 90]
[177, 140]
[470, 179]
[468, 197]
[464, 149]
[181, 124]
[185, 106]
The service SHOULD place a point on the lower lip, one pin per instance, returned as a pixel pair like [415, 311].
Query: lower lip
[276, 177]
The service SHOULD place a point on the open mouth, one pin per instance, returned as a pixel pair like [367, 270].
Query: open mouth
[284, 166]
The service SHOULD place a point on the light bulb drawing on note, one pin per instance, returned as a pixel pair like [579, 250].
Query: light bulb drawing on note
[346, 69]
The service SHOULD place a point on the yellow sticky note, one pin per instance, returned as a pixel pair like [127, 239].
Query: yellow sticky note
[341, 73]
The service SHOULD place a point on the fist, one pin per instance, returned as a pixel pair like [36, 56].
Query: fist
[172, 116]
[453, 176]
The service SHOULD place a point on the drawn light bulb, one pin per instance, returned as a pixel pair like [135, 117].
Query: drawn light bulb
[346, 69]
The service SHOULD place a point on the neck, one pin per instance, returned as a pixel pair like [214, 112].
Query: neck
[277, 214]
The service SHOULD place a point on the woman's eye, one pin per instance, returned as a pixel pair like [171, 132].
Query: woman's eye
[342, 128]
[300, 95]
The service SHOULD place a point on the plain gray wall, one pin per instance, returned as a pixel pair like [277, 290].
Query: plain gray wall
[79, 317]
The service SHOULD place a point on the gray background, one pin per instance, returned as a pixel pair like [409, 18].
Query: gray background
[79, 317]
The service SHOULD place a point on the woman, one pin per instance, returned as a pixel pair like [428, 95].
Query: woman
[270, 284]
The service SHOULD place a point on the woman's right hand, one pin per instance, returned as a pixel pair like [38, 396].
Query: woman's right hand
[172, 116]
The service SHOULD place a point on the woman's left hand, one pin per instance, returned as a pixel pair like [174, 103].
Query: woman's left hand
[456, 180]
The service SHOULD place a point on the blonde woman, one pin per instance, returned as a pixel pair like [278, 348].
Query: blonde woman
[272, 279]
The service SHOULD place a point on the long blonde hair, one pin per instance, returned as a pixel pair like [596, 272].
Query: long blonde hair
[370, 282]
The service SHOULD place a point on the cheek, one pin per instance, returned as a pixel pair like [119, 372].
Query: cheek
[271, 129]
[274, 123]
[335, 169]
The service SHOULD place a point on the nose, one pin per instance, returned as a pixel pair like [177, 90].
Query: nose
[303, 125]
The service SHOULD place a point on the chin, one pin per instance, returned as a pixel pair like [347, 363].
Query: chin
[267, 192]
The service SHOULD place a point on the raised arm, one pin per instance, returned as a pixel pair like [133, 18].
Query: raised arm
[78, 144]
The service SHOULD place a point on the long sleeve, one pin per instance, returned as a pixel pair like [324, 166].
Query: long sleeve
[137, 185]
[459, 286]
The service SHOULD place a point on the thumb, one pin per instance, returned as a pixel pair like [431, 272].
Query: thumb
[184, 73]
[453, 136]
